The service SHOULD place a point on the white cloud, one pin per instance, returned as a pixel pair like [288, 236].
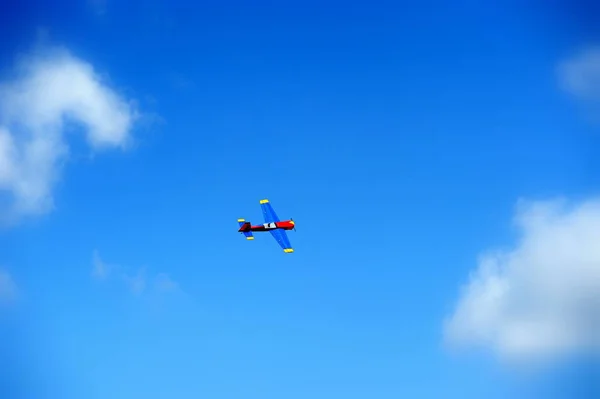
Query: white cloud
[8, 288]
[100, 268]
[580, 75]
[136, 283]
[164, 283]
[50, 92]
[98, 6]
[542, 298]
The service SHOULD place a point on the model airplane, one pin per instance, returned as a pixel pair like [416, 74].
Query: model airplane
[272, 224]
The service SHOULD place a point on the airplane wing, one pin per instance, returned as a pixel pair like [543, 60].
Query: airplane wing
[268, 212]
[282, 239]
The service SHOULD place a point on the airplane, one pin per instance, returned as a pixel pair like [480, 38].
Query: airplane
[272, 224]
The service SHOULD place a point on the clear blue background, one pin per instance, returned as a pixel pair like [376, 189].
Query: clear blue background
[398, 137]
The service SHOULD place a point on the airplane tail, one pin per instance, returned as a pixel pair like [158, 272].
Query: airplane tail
[245, 229]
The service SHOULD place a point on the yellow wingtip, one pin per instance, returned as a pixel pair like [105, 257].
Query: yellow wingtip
[241, 220]
[264, 201]
[249, 238]
[288, 250]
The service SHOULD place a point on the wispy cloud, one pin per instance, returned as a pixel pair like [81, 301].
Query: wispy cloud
[164, 283]
[180, 82]
[98, 6]
[580, 75]
[51, 91]
[137, 282]
[100, 269]
[8, 288]
[541, 299]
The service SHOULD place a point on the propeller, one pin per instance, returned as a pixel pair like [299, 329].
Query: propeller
[292, 219]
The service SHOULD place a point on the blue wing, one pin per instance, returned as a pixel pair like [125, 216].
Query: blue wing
[282, 238]
[268, 212]
[279, 235]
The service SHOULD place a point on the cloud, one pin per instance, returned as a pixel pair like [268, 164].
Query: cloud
[164, 283]
[542, 298]
[136, 283]
[8, 288]
[100, 269]
[98, 6]
[52, 92]
[580, 75]
[180, 81]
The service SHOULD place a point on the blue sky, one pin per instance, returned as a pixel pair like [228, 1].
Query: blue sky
[400, 139]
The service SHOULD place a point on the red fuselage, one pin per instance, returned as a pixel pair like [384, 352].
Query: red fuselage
[285, 225]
